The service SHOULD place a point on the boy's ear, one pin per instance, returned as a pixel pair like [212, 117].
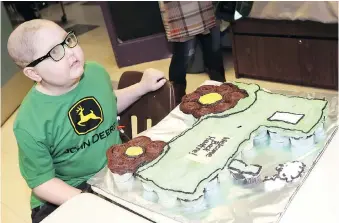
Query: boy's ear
[32, 74]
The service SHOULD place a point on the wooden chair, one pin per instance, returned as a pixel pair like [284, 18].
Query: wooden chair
[154, 105]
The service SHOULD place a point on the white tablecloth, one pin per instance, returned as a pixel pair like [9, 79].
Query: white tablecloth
[86, 208]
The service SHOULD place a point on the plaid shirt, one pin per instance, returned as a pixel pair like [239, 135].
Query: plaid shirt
[185, 19]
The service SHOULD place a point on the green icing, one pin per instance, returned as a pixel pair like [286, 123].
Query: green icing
[186, 178]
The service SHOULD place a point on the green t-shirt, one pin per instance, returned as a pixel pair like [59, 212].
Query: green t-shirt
[67, 136]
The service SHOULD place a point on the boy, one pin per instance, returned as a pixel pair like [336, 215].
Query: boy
[68, 119]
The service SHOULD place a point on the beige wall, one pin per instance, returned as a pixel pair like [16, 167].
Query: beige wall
[8, 67]
[12, 93]
[14, 85]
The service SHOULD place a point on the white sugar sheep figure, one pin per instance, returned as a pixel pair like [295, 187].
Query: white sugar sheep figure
[291, 171]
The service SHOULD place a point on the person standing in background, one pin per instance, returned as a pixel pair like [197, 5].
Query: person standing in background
[184, 23]
[27, 9]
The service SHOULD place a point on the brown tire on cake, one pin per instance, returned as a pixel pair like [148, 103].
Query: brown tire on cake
[189, 107]
[192, 97]
[205, 89]
[141, 141]
[119, 162]
[155, 149]
[221, 107]
[202, 112]
[236, 96]
[226, 96]
[230, 95]
[225, 88]
[243, 92]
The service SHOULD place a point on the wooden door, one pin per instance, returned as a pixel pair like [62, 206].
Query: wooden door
[319, 62]
[136, 31]
[268, 58]
[245, 56]
[278, 59]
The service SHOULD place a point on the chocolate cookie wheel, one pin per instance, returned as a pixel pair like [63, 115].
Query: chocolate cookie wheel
[117, 166]
[118, 151]
[154, 149]
[223, 106]
[243, 92]
[141, 141]
[189, 107]
[191, 97]
[123, 169]
[202, 112]
[205, 89]
[236, 96]
[109, 152]
[226, 88]
[226, 96]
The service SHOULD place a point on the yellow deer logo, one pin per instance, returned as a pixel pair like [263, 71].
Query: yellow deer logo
[85, 118]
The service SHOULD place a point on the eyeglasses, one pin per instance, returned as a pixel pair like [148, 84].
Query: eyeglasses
[58, 51]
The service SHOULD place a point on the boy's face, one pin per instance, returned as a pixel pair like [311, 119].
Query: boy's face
[70, 65]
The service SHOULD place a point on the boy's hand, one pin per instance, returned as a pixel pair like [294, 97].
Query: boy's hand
[152, 80]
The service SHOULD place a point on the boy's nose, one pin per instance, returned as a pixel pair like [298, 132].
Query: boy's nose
[69, 52]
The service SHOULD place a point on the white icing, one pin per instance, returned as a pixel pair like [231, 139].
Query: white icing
[286, 117]
[124, 182]
[319, 134]
[275, 137]
[261, 134]
[303, 142]
[302, 146]
[259, 142]
[198, 204]
[212, 185]
[122, 178]
[290, 171]
[150, 196]
[147, 188]
[126, 186]
[224, 175]
[167, 201]
[278, 141]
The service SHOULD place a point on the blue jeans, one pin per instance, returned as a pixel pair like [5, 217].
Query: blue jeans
[212, 54]
[40, 213]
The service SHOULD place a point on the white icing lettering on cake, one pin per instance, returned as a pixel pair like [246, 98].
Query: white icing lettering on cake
[204, 151]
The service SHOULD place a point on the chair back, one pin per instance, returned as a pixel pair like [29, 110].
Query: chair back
[154, 105]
